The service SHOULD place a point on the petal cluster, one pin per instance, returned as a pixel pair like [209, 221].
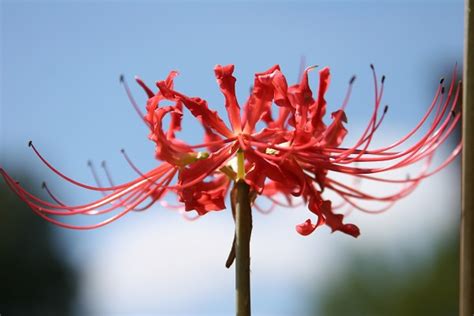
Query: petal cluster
[292, 149]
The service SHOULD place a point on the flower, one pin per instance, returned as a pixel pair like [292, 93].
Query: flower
[295, 155]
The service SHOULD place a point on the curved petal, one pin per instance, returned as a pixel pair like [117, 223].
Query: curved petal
[268, 86]
[227, 84]
[336, 132]
[318, 111]
[205, 196]
[260, 170]
[198, 107]
[154, 100]
[308, 227]
[301, 97]
[200, 169]
[168, 148]
[145, 88]
[335, 221]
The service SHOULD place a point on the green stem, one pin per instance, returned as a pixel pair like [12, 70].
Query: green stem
[240, 165]
[466, 302]
[243, 230]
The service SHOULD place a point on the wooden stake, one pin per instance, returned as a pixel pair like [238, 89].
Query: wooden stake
[466, 301]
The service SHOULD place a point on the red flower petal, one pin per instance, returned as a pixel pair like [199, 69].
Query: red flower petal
[198, 108]
[145, 88]
[197, 171]
[301, 98]
[268, 86]
[336, 132]
[308, 227]
[210, 138]
[168, 148]
[205, 196]
[260, 170]
[153, 101]
[319, 110]
[335, 221]
[227, 84]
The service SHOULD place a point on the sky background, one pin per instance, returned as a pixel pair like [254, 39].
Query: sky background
[60, 64]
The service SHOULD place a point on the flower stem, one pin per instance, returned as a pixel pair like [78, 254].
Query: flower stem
[243, 230]
[466, 302]
[240, 165]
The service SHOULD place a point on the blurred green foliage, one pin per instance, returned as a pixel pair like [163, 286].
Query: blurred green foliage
[34, 278]
[371, 285]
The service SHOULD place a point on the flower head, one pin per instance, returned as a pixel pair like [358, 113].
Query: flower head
[295, 154]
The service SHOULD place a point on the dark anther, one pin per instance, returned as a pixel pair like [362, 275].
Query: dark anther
[122, 151]
[385, 109]
[121, 78]
[372, 66]
[352, 79]
[383, 78]
[453, 113]
[89, 163]
[103, 163]
[441, 81]
[30, 143]
[43, 185]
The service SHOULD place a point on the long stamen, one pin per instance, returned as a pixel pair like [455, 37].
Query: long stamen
[107, 173]
[338, 117]
[214, 143]
[46, 188]
[86, 186]
[130, 162]
[158, 193]
[103, 223]
[372, 123]
[132, 99]
[439, 92]
[432, 138]
[95, 176]
[52, 208]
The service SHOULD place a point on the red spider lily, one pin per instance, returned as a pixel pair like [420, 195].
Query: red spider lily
[296, 154]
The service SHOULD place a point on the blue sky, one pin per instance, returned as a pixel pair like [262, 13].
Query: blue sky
[61, 61]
